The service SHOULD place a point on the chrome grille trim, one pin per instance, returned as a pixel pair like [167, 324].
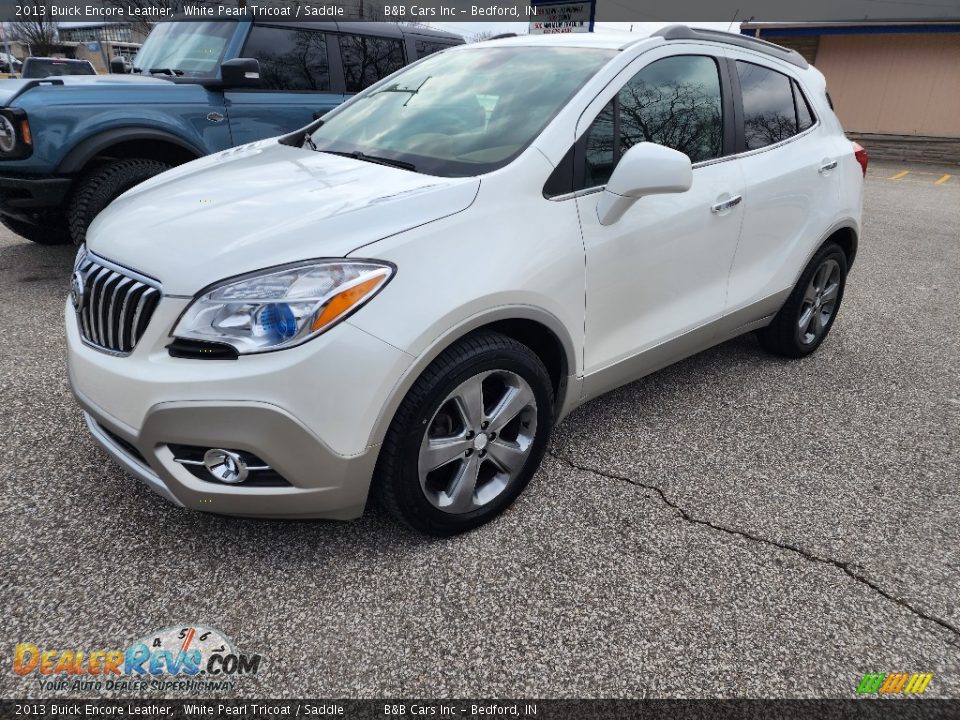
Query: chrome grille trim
[117, 304]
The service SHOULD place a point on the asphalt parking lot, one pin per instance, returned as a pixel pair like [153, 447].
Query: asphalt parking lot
[736, 525]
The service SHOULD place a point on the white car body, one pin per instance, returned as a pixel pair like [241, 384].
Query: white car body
[612, 302]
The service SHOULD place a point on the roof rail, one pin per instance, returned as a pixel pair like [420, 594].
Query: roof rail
[682, 32]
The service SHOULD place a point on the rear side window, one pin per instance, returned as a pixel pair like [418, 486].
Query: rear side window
[805, 117]
[428, 47]
[674, 102]
[369, 59]
[769, 112]
[290, 59]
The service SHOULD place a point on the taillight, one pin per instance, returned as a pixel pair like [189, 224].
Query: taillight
[861, 155]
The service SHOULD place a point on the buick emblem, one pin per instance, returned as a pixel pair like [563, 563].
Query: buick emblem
[76, 290]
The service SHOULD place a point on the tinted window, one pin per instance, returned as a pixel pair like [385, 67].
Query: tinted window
[289, 59]
[804, 113]
[600, 148]
[428, 47]
[768, 112]
[674, 102]
[368, 59]
[34, 68]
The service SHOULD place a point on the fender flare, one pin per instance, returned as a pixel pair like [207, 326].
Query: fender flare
[845, 224]
[90, 147]
[571, 394]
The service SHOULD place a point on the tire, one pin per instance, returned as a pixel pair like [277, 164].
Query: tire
[443, 501]
[819, 292]
[53, 231]
[104, 184]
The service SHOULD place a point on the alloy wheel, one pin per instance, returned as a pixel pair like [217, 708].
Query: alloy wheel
[478, 441]
[819, 302]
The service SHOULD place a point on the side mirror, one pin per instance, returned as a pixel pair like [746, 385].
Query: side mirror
[118, 66]
[240, 72]
[645, 169]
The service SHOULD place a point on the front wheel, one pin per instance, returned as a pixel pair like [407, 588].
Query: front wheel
[103, 185]
[468, 436]
[805, 319]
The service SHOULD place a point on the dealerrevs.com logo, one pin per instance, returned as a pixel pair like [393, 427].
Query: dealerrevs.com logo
[189, 657]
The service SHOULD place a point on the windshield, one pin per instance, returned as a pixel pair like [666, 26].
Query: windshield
[464, 112]
[191, 49]
[35, 68]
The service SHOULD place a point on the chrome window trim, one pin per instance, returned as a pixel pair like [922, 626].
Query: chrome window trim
[697, 166]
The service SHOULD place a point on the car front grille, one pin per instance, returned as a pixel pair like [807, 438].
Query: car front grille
[113, 304]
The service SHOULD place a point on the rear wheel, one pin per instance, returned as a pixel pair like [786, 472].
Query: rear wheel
[468, 436]
[102, 185]
[51, 230]
[807, 316]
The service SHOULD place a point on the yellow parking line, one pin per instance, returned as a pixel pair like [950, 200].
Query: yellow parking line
[901, 174]
[942, 180]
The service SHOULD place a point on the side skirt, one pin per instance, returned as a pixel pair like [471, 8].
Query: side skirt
[739, 322]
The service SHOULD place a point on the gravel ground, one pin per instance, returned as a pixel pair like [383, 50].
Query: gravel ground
[735, 526]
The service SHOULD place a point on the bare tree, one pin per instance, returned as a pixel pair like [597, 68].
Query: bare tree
[39, 32]
[141, 23]
[483, 35]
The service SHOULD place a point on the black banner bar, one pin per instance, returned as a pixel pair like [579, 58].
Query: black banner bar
[863, 709]
[482, 10]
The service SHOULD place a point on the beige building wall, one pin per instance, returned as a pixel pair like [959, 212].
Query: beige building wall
[898, 84]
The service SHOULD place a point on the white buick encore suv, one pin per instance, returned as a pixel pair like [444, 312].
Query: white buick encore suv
[402, 299]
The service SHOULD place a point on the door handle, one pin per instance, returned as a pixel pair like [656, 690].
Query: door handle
[826, 167]
[722, 207]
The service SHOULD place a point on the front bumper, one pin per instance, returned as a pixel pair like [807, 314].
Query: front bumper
[25, 196]
[308, 412]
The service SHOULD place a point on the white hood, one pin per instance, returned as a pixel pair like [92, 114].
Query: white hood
[261, 205]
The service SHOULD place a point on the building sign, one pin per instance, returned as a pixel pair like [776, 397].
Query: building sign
[551, 18]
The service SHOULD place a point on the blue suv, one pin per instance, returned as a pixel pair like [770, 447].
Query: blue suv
[70, 145]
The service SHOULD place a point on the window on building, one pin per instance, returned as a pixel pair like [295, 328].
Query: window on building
[769, 115]
[367, 59]
[674, 102]
[290, 59]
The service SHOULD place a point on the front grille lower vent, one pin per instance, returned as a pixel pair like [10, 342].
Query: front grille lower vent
[113, 304]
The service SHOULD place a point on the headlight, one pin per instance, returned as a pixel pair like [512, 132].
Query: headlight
[8, 135]
[15, 139]
[282, 307]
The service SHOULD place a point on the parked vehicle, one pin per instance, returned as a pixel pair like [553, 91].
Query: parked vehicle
[406, 298]
[44, 67]
[76, 143]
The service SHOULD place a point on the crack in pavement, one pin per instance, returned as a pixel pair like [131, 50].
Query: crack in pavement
[839, 564]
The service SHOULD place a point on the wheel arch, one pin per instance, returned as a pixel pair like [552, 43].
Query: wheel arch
[846, 237]
[148, 143]
[536, 328]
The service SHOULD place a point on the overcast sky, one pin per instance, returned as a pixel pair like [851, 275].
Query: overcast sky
[470, 29]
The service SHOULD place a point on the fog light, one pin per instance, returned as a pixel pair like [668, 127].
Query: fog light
[227, 467]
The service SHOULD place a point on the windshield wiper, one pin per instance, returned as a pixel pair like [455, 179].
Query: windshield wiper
[376, 159]
[165, 71]
[307, 140]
